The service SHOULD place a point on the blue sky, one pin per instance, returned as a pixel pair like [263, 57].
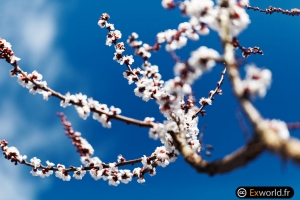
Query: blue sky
[61, 40]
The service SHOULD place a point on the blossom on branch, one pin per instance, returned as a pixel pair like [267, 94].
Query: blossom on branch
[257, 81]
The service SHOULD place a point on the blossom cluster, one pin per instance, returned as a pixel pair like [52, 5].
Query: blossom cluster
[205, 13]
[94, 165]
[246, 51]
[176, 39]
[257, 81]
[7, 53]
[34, 83]
[190, 128]
[84, 106]
[13, 154]
[169, 95]
[84, 148]
[26, 80]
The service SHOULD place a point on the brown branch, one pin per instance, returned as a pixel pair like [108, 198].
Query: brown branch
[246, 51]
[265, 134]
[13, 158]
[230, 162]
[293, 126]
[212, 94]
[72, 169]
[271, 9]
[237, 159]
[7, 54]
[287, 149]
[127, 120]
[134, 161]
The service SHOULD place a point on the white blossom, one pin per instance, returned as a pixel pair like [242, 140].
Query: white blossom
[205, 101]
[35, 162]
[79, 173]
[280, 128]
[257, 81]
[167, 3]
[35, 172]
[50, 164]
[138, 172]
[125, 176]
[203, 58]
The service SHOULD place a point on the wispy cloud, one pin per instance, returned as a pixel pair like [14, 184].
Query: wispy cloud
[31, 27]
[12, 186]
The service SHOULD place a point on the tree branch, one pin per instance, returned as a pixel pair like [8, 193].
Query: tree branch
[125, 119]
[265, 134]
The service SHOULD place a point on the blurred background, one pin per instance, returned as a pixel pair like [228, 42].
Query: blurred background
[62, 41]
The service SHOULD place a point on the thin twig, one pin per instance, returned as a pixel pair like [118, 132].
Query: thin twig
[212, 94]
[271, 9]
[246, 51]
[125, 119]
